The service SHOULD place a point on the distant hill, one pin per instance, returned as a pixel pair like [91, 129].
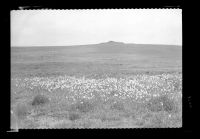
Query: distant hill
[119, 47]
[113, 43]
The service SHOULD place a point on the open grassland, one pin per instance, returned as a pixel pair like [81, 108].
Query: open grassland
[78, 102]
[102, 59]
[108, 85]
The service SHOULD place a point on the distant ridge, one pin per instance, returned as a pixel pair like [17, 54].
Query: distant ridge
[113, 43]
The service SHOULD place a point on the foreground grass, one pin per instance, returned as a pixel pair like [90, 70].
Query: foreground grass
[143, 101]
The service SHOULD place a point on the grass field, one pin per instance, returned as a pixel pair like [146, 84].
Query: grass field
[107, 85]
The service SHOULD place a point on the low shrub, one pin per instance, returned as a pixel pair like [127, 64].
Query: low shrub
[40, 100]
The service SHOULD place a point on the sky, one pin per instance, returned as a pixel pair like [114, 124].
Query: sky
[79, 27]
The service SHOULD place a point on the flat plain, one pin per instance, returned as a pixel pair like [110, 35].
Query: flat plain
[105, 85]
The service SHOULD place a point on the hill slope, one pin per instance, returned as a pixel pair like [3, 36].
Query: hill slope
[110, 57]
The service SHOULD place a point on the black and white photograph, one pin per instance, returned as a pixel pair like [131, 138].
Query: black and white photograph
[96, 69]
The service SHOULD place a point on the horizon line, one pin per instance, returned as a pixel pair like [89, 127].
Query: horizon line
[93, 44]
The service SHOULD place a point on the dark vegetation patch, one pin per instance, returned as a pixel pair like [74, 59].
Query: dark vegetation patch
[39, 100]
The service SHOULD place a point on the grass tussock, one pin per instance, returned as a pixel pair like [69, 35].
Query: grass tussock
[82, 106]
[117, 106]
[39, 100]
[162, 103]
[74, 116]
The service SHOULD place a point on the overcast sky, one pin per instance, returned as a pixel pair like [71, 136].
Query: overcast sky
[77, 27]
